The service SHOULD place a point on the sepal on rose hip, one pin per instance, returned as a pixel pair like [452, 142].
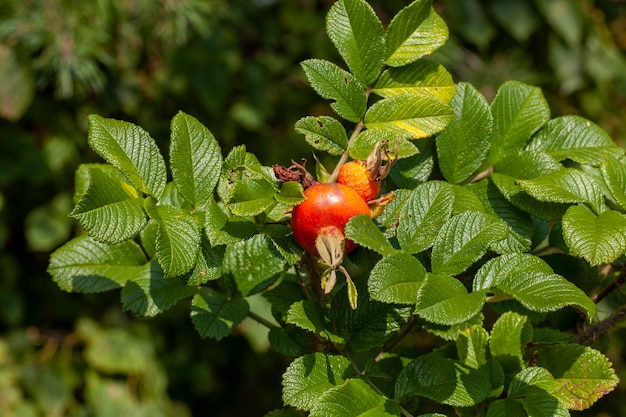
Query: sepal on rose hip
[330, 244]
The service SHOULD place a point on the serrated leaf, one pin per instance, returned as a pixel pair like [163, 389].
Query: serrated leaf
[464, 144]
[241, 165]
[365, 142]
[109, 209]
[178, 238]
[195, 158]
[310, 376]
[466, 200]
[214, 315]
[291, 193]
[443, 299]
[445, 381]
[88, 266]
[358, 35]
[354, 398]
[583, 375]
[418, 115]
[208, 265]
[518, 110]
[130, 149]
[573, 137]
[464, 239]
[396, 278]
[148, 292]
[597, 238]
[614, 175]
[567, 185]
[250, 197]
[308, 315]
[324, 132]
[362, 230]
[409, 172]
[529, 379]
[254, 264]
[471, 347]
[289, 341]
[423, 215]
[509, 336]
[284, 242]
[532, 282]
[421, 77]
[416, 30]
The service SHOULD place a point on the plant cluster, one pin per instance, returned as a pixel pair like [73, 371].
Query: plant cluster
[506, 228]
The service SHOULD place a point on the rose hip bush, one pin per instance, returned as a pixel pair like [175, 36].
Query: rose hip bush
[501, 231]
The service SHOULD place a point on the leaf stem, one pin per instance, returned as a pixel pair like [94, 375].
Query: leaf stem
[261, 320]
[498, 298]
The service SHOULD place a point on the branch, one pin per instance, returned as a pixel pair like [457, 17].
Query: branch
[605, 325]
[618, 282]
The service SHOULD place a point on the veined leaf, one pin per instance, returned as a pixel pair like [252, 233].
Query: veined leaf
[195, 158]
[310, 376]
[409, 172]
[519, 110]
[509, 336]
[597, 238]
[423, 215]
[464, 144]
[573, 137]
[354, 398]
[464, 239]
[421, 77]
[291, 193]
[471, 346]
[215, 316]
[365, 142]
[396, 278]
[532, 282]
[614, 174]
[250, 197]
[443, 299]
[324, 133]
[88, 266]
[583, 375]
[567, 185]
[416, 30]
[419, 116]
[178, 238]
[130, 149]
[362, 230]
[534, 377]
[109, 209]
[254, 264]
[333, 83]
[241, 165]
[308, 315]
[358, 35]
[526, 165]
[148, 292]
[208, 265]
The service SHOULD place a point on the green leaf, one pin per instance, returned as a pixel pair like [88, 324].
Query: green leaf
[471, 347]
[240, 165]
[583, 375]
[567, 185]
[575, 138]
[396, 278]
[597, 238]
[445, 381]
[358, 35]
[130, 149]
[178, 238]
[614, 175]
[519, 110]
[362, 230]
[464, 144]
[148, 292]
[509, 336]
[195, 158]
[529, 379]
[464, 239]
[354, 398]
[308, 315]
[443, 299]
[526, 165]
[310, 376]
[532, 282]
[418, 115]
[254, 264]
[208, 265]
[252, 196]
[416, 30]
[214, 315]
[420, 78]
[88, 266]
[291, 193]
[333, 83]
[109, 209]
[466, 200]
[325, 133]
[221, 229]
[423, 215]
[289, 341]
[365, 142]
[409, 172]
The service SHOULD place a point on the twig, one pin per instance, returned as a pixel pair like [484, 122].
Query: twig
[618, 282]
[261, 320]
[408, 327]
[592, 332]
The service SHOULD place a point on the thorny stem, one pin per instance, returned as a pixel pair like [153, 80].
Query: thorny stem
[592, 332]
[346, 154]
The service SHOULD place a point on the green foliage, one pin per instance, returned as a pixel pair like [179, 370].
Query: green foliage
[442, 257]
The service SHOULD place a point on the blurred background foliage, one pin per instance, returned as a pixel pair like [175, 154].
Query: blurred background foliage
[234, 65]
